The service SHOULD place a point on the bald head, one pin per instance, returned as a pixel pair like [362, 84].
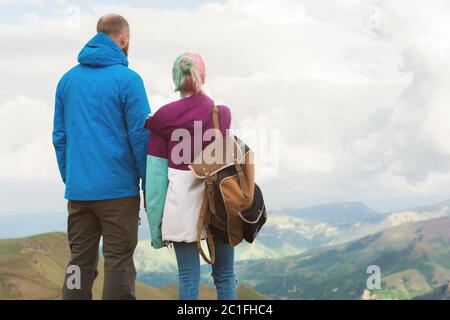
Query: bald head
[117, 28]
[113, 25]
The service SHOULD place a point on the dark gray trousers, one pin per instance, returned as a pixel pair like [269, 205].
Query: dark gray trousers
[117, 222]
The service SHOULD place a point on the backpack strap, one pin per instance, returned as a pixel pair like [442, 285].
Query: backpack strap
[203, 221]
[208, 204]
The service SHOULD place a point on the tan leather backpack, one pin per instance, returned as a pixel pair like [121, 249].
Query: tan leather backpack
[233, 207]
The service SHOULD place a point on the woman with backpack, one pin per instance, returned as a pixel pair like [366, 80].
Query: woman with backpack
[174, 195]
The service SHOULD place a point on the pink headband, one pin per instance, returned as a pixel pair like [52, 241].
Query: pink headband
[199, 64]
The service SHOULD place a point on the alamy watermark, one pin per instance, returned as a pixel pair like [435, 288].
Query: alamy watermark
[374, 280]
[73, 17]
[263, 143]
[73, 281]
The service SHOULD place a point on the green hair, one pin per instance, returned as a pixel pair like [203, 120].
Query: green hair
[188, 71]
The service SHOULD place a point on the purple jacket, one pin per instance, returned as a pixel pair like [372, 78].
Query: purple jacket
[173, 194]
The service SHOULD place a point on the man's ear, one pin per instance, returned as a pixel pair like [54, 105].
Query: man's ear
[123, 40]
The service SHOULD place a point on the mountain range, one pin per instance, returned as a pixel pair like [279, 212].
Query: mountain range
[414, 260]
[291, 232]
[336, 213]
[288, 234]
[33, 268]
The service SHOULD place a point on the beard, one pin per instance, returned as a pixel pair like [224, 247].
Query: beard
[125, 49]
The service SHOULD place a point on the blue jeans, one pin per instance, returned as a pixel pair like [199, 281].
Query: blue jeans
[188, 260]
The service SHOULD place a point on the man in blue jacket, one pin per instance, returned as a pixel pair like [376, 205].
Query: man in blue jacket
[100, 142]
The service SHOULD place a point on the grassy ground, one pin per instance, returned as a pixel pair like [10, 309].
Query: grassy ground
[33, 268]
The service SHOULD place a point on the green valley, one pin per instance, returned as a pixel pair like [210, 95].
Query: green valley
[414, 260]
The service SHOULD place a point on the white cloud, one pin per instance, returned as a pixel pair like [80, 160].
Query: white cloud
[26, 152]
[436, 125]
[12, 2]
[358, 90]
[307, 158]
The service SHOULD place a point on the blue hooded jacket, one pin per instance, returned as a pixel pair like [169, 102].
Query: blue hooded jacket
[98, 133]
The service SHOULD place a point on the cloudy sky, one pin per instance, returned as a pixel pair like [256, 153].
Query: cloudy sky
[357, 92]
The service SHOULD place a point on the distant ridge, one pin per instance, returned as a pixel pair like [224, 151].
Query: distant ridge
[333, 212]
[445, 203]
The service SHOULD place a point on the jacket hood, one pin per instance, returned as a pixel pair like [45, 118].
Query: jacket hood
[102, 51]
[183, 113]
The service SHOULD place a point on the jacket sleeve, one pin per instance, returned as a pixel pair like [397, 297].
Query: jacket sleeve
[136, 111]
[59, 133]
[156, 189]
